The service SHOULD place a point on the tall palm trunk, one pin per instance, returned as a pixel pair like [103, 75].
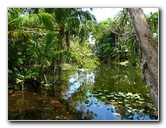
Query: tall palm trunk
[67, 40]
[148, 52]
[59, 63]
[52, 66]
[60, 56]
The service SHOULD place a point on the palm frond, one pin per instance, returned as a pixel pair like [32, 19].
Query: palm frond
[85, 15]
[14, 13]
[73, 21]
[50, 41]
[30, 20]
[46, 19]
[18, 35]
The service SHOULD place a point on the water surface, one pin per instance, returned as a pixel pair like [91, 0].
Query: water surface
[105, 93]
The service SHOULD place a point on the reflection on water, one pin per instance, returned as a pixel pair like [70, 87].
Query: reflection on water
[77, 80]
[108, 93]
[28, 105]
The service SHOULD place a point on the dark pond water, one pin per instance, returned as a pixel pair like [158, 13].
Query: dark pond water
[28, 105]
[106, 93]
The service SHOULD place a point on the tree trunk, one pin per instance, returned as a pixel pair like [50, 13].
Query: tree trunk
[148, 52]
[52, 66]
[59, 68]
[67, 40]
[60, 56]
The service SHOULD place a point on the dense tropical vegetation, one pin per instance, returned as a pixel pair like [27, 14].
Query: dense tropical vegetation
[41, 38]
[117, 40]
[44, 42]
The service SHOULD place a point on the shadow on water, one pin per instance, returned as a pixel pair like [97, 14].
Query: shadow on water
[106, 93]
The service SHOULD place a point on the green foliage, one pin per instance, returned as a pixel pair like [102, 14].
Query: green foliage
[28, 20]
[26, 55]
[116, 40]
[37, 37]
[153, 23]
[18, 81]
[83, 57]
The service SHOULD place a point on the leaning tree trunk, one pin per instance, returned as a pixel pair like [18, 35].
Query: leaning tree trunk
[148, 52]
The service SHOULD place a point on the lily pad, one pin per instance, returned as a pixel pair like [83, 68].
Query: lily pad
[95, 94]
[140, 99]
[116, 114]
[134, 110]
[109, 96]
[129, 94]
[115, 98]
[127, 105]
[100, 94]
[105, 90]
[103, 97]
[136, 96]
[111, 93]
[129, 111]
[120, 102]
[121, 94]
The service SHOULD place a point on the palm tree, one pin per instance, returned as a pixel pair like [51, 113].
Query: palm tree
[29, 26]
[69, 21]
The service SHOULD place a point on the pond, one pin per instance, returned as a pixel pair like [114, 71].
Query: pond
[110, 92]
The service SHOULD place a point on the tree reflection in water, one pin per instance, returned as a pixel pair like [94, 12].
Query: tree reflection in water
[87, 94]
